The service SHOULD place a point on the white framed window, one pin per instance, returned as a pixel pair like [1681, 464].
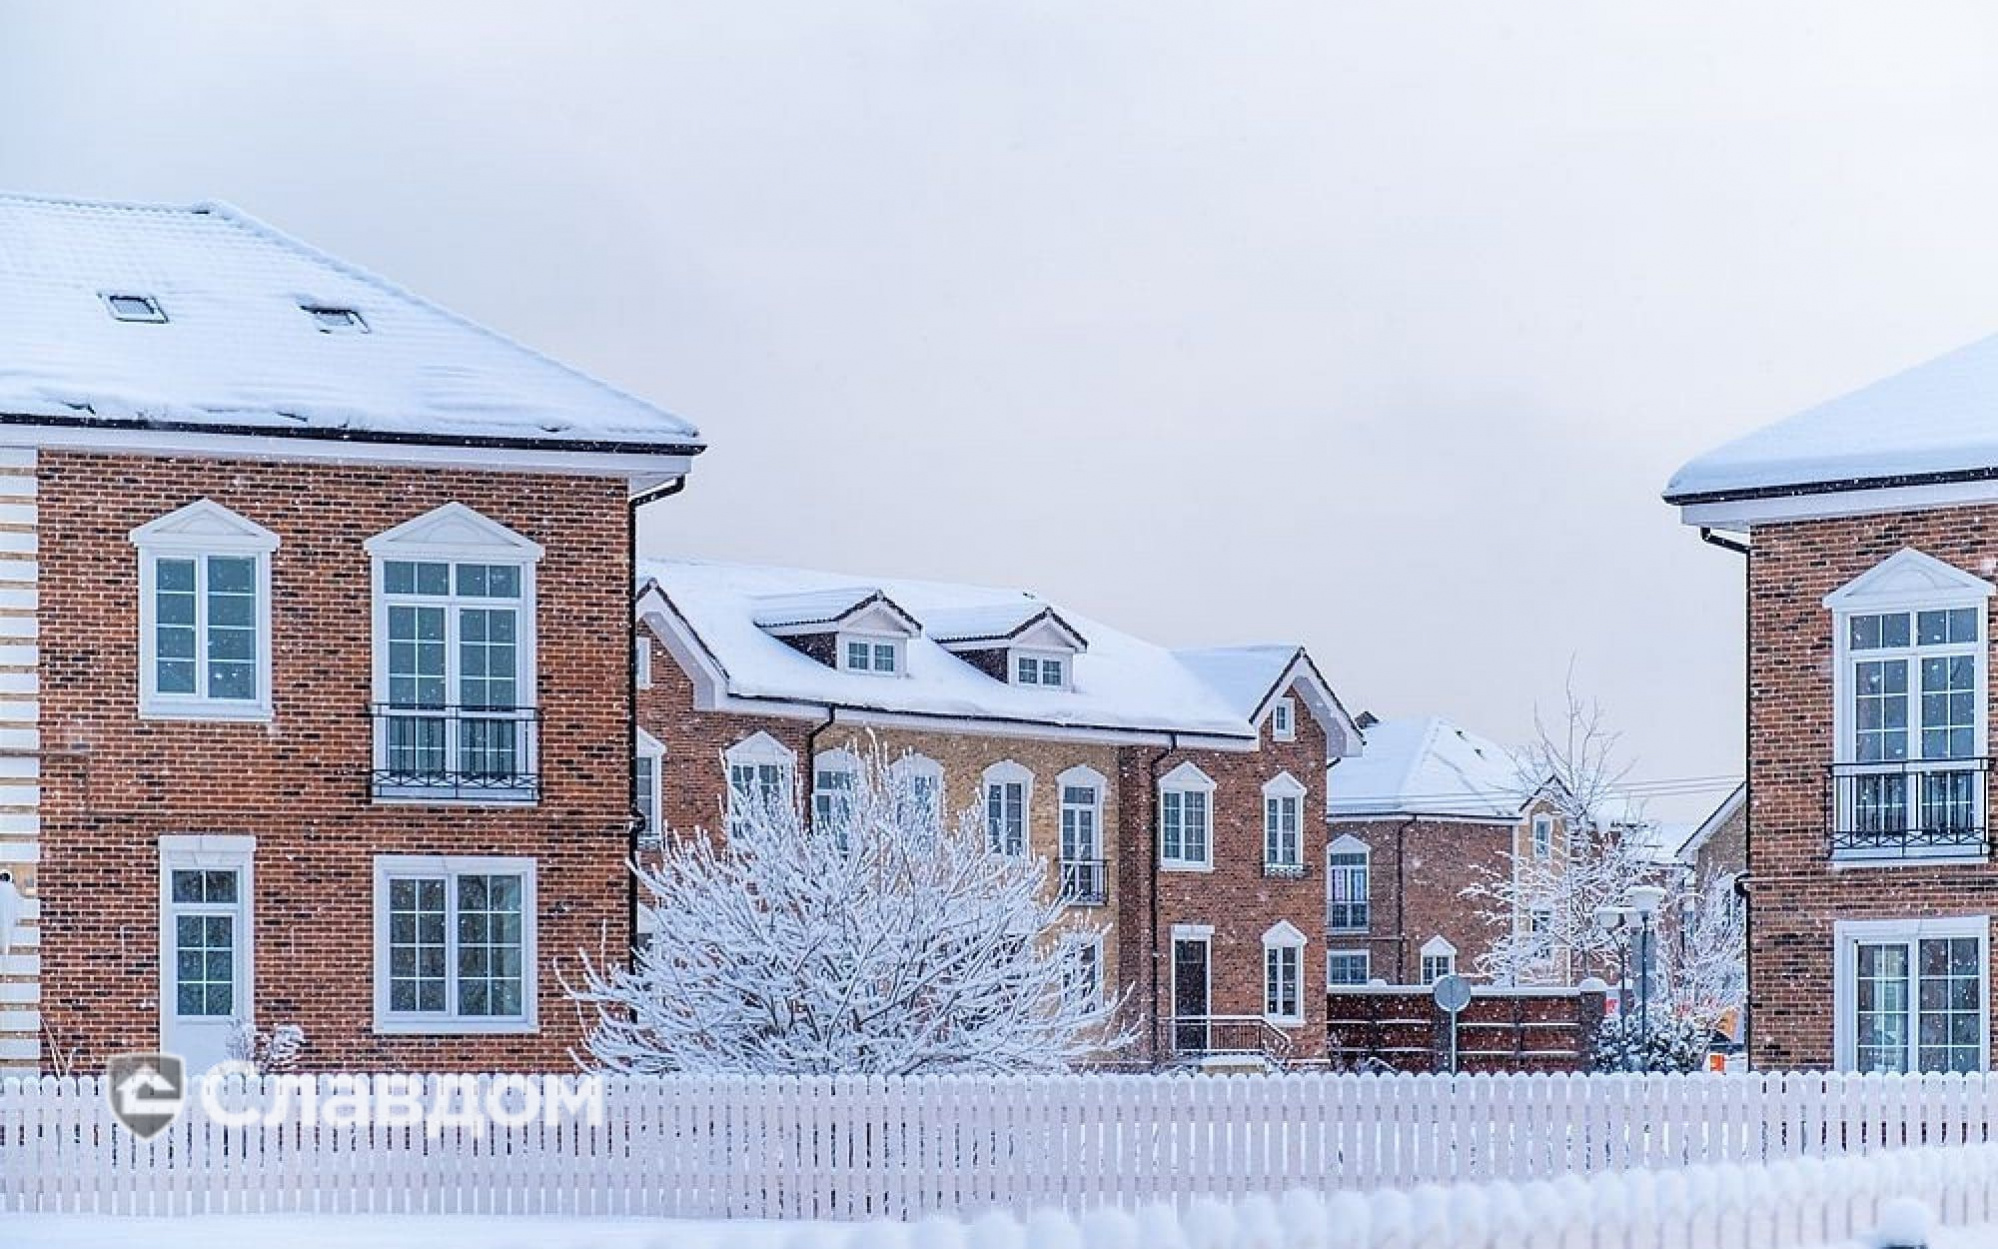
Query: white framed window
[1084, 875]
[835, 773]
[455, 690]
[761, 774]
[1348, 880]
[1912, 995]
[1186, 820]
[1439, 959]
[1009, 788]
[1283, 974]
[1283, 720]
[1085, 977]
[1043, 669]
[1347, 967]
[647, 788]
[207, 895]
[454, 944]
[1543, 837]
[1283, 827]
[1909, 678]
[877, 655]
[204, 615]
[641, 661]
[925, 779]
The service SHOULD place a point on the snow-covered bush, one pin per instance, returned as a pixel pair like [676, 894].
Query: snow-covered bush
[887, 940]
[1669, 1043]
[271, 1053]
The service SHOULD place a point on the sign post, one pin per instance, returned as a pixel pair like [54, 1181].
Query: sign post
[1453, 994]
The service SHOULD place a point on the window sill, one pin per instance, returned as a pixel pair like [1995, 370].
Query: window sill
[1846, 859]
[224, 712]
[1177, 865]
[455, 1027]
[1284, 1021]
[1361, 931]
[1283, 871]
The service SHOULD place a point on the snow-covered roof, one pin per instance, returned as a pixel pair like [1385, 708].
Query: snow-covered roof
[1688, 846]
[784, 611]
[995, 622]
[1244, 675]
[1425, 766]
[1123, 683]
[239, 352]
[1937, 421]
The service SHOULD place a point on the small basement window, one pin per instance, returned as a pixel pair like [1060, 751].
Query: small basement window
[135, 308]
[331, 320]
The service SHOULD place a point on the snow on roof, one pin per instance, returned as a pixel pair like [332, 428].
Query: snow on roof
[781, 611]
[239, 350]
[1122, 683]
[1688, 846]
[1244, 674]
[1425, 766]
[986, 621]
[1935, 419]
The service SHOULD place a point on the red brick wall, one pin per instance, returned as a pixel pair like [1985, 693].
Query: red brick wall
[1795, 897]
[114, 784]
[1236, 899]
[1418, 872]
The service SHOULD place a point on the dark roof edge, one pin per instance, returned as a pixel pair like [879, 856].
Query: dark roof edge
[1843, 485]
[572, 446]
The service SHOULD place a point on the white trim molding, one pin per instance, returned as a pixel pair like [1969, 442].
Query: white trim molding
[451, 870]
[1437, 948]
[196, 535]
[1182, 818]
[1849, 935]
[998, 832]
[1282, 943]
[208, 852]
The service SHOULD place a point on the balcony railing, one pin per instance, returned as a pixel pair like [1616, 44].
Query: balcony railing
[473, 754]
[1231, 1036]
[1917, 808]
[1085, 882]
[1276, 869]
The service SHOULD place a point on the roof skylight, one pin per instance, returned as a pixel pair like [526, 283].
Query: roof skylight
[332, 320]
[125, 307]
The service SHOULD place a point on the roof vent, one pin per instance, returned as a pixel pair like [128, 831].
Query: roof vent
[124, 307]
[332, 320]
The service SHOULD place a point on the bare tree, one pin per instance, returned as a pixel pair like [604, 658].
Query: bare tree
[893, 941]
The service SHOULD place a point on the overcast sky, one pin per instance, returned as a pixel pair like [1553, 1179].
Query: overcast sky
[1372, 326]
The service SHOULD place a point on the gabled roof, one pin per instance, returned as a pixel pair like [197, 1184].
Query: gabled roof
[1251, 678]
[238, 353]
[707, 615]
[1935, 422]
[1689, 847]
[828, 609]
[1427, 767]
[999, 623]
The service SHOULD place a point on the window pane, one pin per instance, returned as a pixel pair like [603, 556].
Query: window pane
[857, 656]
[489, 909]
[1027, 671]
[884, 658]
[416, 944]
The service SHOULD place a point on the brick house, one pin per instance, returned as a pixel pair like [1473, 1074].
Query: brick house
[1717, 850]
[1173, 792]
[1869, 526]
[1426, 810]
[314, 687]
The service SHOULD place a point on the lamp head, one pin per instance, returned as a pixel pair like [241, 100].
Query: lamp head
[1646, 899]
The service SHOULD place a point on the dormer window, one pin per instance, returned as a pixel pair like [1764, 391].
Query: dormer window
[880, 656]
[1283, 720]
[1045, 671]
[333, 320]
[128, 307]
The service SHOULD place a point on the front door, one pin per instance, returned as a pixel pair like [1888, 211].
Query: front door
[1189, 995]
[204, 938]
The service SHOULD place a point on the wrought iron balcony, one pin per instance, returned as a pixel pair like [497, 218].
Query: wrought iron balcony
[1085, 882]
[1276, 870]
[1916, 808]
[459, 754]
[1231, 1036]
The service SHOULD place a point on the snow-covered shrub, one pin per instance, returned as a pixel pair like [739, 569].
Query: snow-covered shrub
[271, 1053]
[885, 941]
[1670, 1043]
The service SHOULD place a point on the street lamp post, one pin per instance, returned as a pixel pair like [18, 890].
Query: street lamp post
[1645, 901]
[1614, 921]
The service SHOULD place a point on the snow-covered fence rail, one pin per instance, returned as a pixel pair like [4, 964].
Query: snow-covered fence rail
[860, 1148]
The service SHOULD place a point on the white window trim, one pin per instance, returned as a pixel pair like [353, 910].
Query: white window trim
[1435, 947]
[911, 766]
[210, 852]
[1092, 940]
[1287, 730]
[1007, 772]
[650, 747]
[1016, 653]
[450, 1023]
[1849, 934]
[1349, 844]
[753, 751]
[641, 659]
[456, 534]
[202, 528]
[841, 762]
[896, 642]
[1366, 963]
[1281, 786]
[1908, 581]
[1077, 777]
[1541, 822]
[1187, 779]
[1283, 935]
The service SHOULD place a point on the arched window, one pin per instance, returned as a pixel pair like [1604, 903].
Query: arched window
[1084, 879]
[1186, 820]
[1283, 974]
[647, 788]
[1439, 959]
[1283, 827]
[834, 774]
[760, 774]
[1009, 788]
[924, 778]
[1348, 873]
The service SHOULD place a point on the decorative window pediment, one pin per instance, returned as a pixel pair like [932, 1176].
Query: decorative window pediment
[205, 614]
[205, 525]
[1186, 776]
[1283, 932]
[1907, 578]
[452, 532]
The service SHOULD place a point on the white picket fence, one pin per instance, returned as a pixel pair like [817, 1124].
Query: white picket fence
[863, 1148]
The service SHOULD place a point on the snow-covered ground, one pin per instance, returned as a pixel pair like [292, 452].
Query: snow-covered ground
[381, 1231]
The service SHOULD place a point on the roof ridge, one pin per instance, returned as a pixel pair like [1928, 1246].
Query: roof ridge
[222, 210]
[85, 201]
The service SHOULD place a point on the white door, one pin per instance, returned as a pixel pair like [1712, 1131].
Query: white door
[205, 952]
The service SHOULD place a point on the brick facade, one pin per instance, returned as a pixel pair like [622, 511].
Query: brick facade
[1796, 895]
[114, 784]
[1418, 869]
